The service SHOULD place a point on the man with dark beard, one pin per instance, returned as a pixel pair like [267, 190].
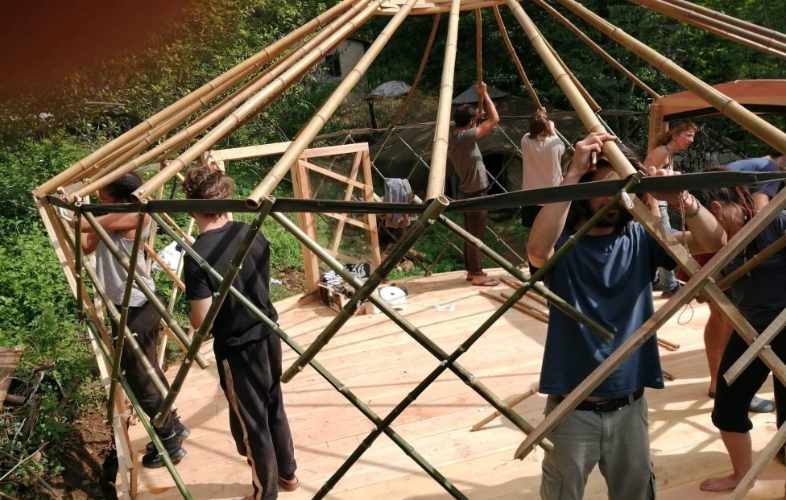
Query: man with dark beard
[607, 275]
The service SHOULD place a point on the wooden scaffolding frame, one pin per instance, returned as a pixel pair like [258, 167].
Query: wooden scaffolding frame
[260, 80]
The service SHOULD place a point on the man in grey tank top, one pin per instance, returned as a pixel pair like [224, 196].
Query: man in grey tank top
[468, 164]
[143, 318]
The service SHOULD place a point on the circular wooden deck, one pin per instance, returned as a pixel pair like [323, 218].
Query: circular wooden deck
[381, 364]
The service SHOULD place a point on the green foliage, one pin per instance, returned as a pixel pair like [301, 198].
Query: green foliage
[26, 164]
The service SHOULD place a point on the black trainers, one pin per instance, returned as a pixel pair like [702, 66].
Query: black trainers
[180, 430]
[154, 460]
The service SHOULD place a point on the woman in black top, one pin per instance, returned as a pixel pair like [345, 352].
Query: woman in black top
[760, 295]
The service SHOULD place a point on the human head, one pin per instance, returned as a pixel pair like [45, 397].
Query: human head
[732, 206]
[205, 183]
[120, 190]
[464, 115]
[581, 210]
[680, 135]
[779, 159]
[540, 124]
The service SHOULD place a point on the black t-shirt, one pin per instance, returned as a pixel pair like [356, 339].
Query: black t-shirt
[235, 325]
[761, 294]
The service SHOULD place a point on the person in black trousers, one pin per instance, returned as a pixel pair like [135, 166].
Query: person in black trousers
[143, 318]
[248, 353]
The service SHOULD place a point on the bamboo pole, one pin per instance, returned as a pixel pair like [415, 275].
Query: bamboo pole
[409, 328]
[584, 92]
[700, 277]
[321, 370]
[130, 338]
[585, 113]
[122, 258]
[479, 55]
[397, 252]
[313, 127]
[743, 36]
[439, 148]
[78, 263]
[756, 28]
[727, 106]
[255, 103]
[121, 324]
[597, 48]
[215, 307]
[752, 352]
[226, 106]
[257, 60]
[516, 61]
[754, 262]
[68, 239]
[418, 75]
[145, 421]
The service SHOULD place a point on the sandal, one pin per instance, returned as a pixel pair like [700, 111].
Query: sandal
[484, 281]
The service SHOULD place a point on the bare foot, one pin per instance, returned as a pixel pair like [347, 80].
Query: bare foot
[726, 483]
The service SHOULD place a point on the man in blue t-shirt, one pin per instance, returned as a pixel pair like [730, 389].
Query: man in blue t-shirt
[607, 276]
[773, 162]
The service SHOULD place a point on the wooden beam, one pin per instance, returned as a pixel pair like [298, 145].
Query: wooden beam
[301, 186]
[353, 174]
[333, 175]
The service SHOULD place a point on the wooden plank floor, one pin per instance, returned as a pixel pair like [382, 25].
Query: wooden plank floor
[381, 365]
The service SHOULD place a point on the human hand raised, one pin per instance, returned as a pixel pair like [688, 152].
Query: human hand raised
[584, 151]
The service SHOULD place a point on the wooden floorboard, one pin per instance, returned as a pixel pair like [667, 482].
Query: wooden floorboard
[381, 365]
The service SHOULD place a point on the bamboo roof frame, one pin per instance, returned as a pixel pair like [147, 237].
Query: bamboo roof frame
[127, 153]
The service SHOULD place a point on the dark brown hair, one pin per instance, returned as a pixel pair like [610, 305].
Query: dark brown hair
[121, 189]
[205, 183]
[464, 114]
[580, 210]
[738, 195]
[674, 131]
[539, 123]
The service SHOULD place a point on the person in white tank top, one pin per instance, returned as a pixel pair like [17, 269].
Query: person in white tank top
[541, 154]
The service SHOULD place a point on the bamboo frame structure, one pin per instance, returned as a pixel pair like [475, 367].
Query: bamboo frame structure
[762, 30]
[321, 117]
[286, 62]
[757, 126]
[589, 42]
[734, 33]
[260, 58]
[123, 259]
